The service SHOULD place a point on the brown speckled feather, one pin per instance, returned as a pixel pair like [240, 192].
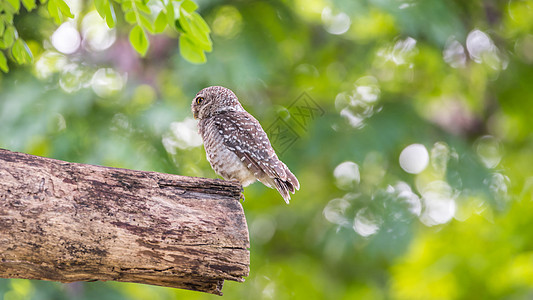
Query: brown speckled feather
[236, 145]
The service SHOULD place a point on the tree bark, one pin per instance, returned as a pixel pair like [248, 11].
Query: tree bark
[70, 222]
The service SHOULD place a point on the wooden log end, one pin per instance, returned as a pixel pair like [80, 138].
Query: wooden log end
[69, 222]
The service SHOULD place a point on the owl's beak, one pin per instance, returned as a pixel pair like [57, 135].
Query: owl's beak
[195, 115]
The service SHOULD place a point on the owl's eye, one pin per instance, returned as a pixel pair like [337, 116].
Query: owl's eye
[199, 100]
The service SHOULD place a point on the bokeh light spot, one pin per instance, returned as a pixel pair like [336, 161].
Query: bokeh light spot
[524, 48]
[478, 43]
[440, 155]
[228, 22]
[365, 224]
[359, 104]
[454, 53]
[49, 63]
[71, 78]
[439, 203]
[335, 24]
[106, 82]
[489, 151]
[482, 50]
[262, 229]
[405, 194]
[97, 36]
[347, 175]
[66, 39]
[414, 158]
[335, 211]
[498, 185]
[183, 135]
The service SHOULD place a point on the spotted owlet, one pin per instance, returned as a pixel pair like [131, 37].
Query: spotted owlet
[236, 145]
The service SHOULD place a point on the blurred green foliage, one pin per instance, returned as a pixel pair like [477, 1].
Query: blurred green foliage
[452, 78]
[151, 16]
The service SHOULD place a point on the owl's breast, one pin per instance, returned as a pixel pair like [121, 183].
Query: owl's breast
[223, 160]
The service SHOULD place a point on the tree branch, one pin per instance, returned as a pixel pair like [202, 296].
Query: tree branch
[70, 222]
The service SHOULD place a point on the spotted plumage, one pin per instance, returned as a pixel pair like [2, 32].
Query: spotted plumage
[236, 145]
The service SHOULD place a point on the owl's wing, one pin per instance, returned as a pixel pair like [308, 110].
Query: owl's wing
[243, 135]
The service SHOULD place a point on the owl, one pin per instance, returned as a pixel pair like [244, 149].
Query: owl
[236, 145]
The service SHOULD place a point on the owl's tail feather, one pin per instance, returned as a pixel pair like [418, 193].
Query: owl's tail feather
[286, 186]
[283, 189]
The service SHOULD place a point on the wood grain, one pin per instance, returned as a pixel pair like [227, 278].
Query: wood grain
[70, 222]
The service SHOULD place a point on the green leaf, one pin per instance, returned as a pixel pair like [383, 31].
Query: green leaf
[142, 7]
[199, 33]
[3, 63]
[100, 6]
[63, 7]
[9, 37]
[184, 23]
[8, 17]
[21, 52]
[138, 40]
[106, 11]
[53, 10]
[146, 23]
[197, 19]
[131, 17]
[126, 5]
[160, 22]
[171, 18]
[178, 27]
[190, 51]
[110, 17]
[189, 6]
[57, 8]
[15, 4]
[8, 10]
[29, 4]
[2, 26]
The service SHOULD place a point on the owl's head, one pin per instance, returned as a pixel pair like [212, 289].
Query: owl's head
[214, 100]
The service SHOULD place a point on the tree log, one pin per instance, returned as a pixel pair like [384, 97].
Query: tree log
[68, 222]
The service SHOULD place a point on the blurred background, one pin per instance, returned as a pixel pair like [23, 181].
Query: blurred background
[408, 124]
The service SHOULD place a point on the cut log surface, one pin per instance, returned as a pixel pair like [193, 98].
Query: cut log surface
[70, 222]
